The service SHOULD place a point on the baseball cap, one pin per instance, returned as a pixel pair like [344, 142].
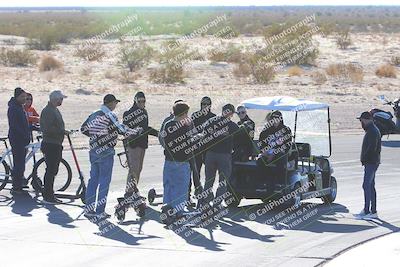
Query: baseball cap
[57, 94]
[110, 98]
[206, 100]
[365, 115]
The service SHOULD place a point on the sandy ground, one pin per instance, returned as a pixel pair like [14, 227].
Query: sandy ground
[87, 82]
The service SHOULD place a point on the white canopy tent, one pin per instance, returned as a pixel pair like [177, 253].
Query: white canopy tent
[290, 104]
[283, 103]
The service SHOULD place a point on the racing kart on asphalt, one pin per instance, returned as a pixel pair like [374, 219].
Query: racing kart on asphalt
[308, 172]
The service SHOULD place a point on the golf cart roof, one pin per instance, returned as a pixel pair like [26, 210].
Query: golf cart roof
[283, 103]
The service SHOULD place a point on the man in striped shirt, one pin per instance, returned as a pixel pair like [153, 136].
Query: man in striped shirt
[103, 129]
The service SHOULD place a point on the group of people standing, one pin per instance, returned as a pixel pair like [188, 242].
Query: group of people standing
[189, 142]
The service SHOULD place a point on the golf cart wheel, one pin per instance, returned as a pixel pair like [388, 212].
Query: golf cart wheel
[233, 201]
[151, 195]
[332, 195]
[295, 201]
[4, 174]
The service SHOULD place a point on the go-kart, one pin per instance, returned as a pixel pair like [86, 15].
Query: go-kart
[307, 172]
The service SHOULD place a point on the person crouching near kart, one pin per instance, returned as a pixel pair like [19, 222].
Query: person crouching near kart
[103, 129]
[274, 142]
[176, 173]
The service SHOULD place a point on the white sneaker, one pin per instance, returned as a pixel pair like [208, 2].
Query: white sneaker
[371, 216]
[360, 215]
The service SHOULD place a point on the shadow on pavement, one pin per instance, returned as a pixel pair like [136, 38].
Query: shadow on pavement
[312, 217]
[112, 231]
[58, 216]
[24, 204]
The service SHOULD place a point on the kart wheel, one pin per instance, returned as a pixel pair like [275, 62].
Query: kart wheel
[166, 215]
[332, 196]
[151, 195]
[141, 210]
[120, 210]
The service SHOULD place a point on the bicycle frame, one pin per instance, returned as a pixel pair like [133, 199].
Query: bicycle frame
[32, 149]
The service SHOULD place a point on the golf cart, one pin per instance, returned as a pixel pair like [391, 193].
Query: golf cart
[307, 174]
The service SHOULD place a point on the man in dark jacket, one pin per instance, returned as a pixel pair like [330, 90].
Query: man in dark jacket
[136, 117]
[370, 159]
[274, 142]
[199, 118]
[19, 136]
[218, 141]
[53, 129]
[243, 141]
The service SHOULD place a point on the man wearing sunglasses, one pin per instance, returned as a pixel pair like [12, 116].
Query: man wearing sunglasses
[199, 118]
[136, 117]
[243, 141]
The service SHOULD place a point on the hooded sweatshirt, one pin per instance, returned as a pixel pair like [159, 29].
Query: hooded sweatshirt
[18, 133]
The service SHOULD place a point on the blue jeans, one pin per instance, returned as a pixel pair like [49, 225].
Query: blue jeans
[99, 183]
[176, 178]
[369, 187]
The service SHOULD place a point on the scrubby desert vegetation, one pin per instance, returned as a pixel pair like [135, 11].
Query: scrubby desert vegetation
[341, 56]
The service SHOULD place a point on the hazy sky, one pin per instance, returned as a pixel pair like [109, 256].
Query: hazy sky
[5, 3]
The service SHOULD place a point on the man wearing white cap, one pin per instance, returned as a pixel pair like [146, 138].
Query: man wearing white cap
[53, 129]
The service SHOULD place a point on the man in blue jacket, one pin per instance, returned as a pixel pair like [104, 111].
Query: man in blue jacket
[370, 159]
[19, 136]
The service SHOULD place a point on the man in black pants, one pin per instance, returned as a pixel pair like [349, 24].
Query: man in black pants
[53, 129]
[19, 136]
[199, 118]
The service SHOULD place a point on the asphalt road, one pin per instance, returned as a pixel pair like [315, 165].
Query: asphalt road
[34, 234]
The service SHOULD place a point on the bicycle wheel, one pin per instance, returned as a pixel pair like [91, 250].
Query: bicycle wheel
[63, 178]
[4, 174]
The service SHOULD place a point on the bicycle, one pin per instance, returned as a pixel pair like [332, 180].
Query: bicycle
[6, 167]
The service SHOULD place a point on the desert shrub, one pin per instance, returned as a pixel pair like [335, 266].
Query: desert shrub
[177, 54]
[17, 57]
[49, 63]
[231, 54]
[242, 70]
[395, 60]
[46, 40]
[50, 75]
[90, 52]
[318, 77]
[168, 73]
[294, 48]
[128, 76]
[295, 71]
[386, 71]
[350, 71]
[135, 56]
[343, 40]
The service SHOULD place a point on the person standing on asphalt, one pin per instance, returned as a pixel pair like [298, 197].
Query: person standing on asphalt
[135, 117]
[19, 136]
[53, 128]
[220, 131]
[199, 118]
[103, 129]
[176, 173]
[370, 159]
[243, 141]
